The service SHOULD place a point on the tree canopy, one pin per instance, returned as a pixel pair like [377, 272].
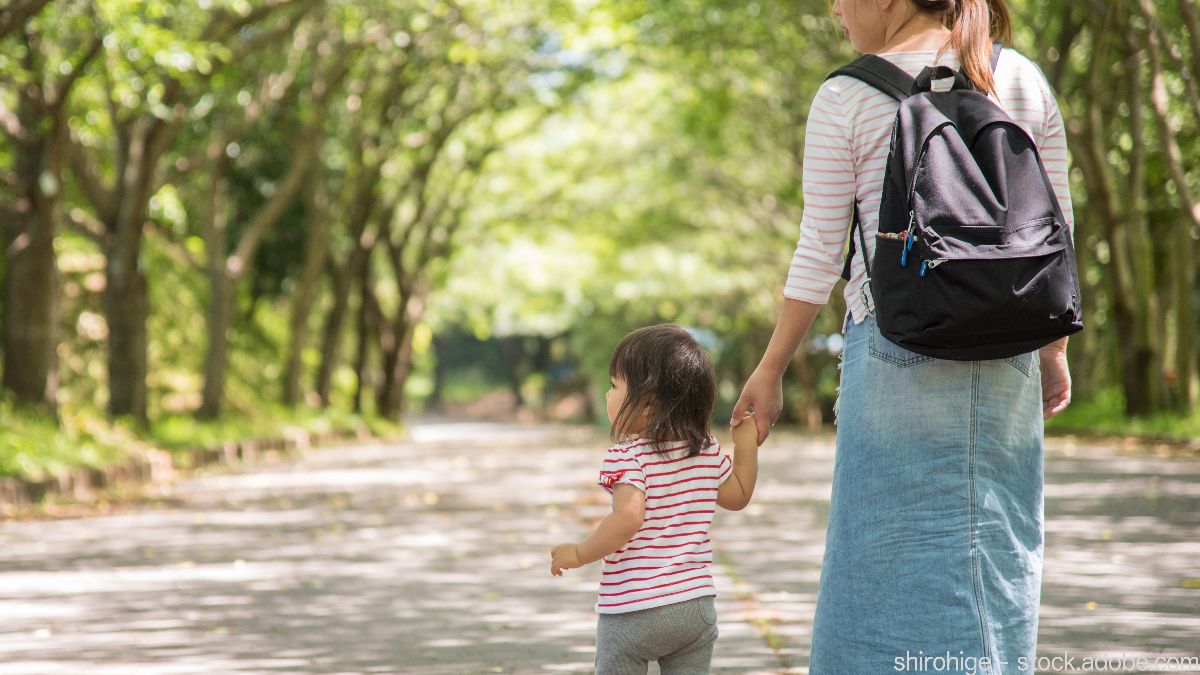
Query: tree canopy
[211, 204]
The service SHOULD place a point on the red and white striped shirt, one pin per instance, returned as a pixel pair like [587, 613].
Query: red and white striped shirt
[845, 153]
[668, 560]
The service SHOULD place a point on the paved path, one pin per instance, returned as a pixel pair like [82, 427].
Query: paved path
[431, 557]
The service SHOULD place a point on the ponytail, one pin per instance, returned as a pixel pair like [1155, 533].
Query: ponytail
[974, 25]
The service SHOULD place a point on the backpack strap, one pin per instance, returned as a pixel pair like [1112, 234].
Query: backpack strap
[880, 73]
[890, 79]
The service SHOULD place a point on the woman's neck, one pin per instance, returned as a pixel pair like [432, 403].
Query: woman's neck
[915, 33]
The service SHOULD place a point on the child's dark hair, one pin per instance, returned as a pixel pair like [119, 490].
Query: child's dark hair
[666, 370]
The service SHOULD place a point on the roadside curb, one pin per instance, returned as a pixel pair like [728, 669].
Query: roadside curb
[1160, 445]
[150, 465]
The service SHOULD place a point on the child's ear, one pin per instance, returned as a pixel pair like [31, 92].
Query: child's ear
[647, 408]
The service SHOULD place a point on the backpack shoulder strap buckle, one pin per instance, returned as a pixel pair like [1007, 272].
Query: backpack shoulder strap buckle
[865, 294]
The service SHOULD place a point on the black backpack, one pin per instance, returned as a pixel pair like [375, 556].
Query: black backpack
[973, 259]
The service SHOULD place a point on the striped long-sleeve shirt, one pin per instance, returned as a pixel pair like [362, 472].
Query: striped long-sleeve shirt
[668, 559]
[846, 150]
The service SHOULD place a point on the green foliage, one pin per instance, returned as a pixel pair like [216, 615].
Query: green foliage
[1104, 414]
[34, 447]
[667, 194]
[554, 169]
[185, 432]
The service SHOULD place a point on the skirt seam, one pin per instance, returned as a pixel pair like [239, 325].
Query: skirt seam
[973, 553]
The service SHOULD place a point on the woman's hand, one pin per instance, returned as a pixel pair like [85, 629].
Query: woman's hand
[763, 394]
[1056, 379]
[564, 557]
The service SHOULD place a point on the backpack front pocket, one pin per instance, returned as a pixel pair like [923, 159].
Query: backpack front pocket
[1004, 293]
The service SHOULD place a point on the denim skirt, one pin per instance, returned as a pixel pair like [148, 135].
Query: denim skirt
[933, 554]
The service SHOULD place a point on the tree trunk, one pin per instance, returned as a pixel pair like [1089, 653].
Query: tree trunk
[220, 289]
[369, 326]
[15, 13]
[434, 402]
[343, 282]
[315, 256]
[31, 306]
[30, 296]
[807, 409]
[127, 295]
[216, 360]
[227, 270]
[1180, 253]
[1132, 359]
[397, 357]
[1137, 242]
[513, 349]
[332, 333]
[1183, 268]
[127, 306]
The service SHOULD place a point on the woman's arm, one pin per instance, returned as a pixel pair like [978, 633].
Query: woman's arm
[1056, 377]
[629, 510]
[829, 192]
[764, 390]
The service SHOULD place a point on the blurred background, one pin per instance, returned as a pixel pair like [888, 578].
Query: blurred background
[222, 218]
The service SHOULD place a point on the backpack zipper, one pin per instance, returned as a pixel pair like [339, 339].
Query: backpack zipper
[908, 237]
[927, 265]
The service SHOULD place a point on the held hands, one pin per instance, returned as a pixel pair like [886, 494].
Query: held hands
[564, 557]
[745, 432]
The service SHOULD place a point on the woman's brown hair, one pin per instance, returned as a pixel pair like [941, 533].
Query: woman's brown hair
[667, 373]
[974, 25]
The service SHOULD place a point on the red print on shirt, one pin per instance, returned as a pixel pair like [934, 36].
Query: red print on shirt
[610, 478]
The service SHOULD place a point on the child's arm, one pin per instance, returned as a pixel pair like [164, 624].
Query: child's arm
[628, 511]
[734, 494]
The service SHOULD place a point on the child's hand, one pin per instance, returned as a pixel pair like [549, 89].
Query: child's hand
[564, 557]
[746, 435]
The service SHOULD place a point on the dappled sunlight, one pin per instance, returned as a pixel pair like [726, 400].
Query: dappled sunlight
[336, 560]
[432, 556]
[237, 230]
[1122, 541]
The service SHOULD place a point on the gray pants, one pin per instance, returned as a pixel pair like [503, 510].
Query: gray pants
[679, 636]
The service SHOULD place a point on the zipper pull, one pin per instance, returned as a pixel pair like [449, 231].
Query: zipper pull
[927, 265]
[924, 267]
[908, 238]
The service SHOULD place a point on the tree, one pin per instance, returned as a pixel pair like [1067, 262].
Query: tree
[230, 260]
[51, 51]
[1135, 242]
[154, 75]
[15, 15]
[426, 129]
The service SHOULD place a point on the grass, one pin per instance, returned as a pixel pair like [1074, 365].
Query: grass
[34, 448]
[1104, 414]
[179, 432]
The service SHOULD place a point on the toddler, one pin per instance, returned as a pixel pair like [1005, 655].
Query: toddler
[666, 475]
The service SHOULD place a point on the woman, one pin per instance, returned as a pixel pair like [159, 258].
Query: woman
[934, 544]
